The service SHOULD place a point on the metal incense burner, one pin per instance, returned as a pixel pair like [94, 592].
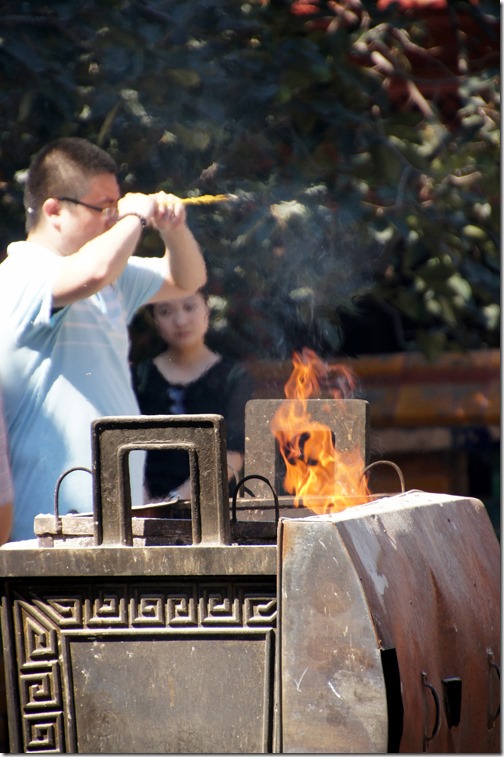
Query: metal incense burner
[371, 630]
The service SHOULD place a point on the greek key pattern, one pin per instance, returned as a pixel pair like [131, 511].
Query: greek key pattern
[112, 606]
[44, 733]
[42, 617]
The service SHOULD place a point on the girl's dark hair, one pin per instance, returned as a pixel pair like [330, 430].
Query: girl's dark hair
[149, 309]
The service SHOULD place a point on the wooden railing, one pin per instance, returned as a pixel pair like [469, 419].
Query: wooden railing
[406, 390]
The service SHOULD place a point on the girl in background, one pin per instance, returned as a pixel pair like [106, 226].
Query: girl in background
[189, 378]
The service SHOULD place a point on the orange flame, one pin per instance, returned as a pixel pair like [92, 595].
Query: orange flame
[325, 479]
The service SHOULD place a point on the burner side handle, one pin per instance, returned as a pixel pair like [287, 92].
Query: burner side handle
[203, 437]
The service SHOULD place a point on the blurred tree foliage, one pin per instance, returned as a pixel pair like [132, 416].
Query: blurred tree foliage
[360, 138]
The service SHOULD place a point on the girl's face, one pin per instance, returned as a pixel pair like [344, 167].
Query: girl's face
[182, 323]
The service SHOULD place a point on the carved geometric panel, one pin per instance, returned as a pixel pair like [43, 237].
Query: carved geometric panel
[220, 606]
[44, 734]
[258, 610]
[163, 618]
[182, 609]
[66, 612]
[40, 688]
[38, 641]
[107, 607]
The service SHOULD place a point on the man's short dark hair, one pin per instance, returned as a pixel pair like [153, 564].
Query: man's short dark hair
[63, 168]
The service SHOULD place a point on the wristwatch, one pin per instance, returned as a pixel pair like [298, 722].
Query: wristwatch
[142, 219]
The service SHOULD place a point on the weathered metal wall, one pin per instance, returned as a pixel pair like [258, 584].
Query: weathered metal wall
[415, 578]
[388, 635]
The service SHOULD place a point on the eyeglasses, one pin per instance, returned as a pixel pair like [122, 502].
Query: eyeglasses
[109, 213]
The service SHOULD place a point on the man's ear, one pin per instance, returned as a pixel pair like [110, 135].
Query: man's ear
[52, 210]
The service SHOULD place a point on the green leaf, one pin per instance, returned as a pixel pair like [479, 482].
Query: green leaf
[474, 232]
[184, 77]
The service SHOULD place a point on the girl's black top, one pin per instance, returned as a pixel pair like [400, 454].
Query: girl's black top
[223, 389]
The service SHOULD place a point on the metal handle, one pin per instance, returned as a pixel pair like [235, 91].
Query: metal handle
[203, 437]
[57, 518]
[240, 484]
[392, 465]
[493, 666]
[437, 722]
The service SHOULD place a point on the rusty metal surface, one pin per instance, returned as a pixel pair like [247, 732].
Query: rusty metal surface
[117, 648]
[262, 509]
[239, 560]
[429, 567]
[146, 635]
[139, 665]
[73, 531]
[333, 697]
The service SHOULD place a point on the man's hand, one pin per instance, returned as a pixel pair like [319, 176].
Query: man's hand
[169, 213]
[138, 204]
[185, 265]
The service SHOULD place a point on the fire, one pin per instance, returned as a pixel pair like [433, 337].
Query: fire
[325, 479]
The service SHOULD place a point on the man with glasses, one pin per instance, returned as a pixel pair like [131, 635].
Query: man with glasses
[67, 294]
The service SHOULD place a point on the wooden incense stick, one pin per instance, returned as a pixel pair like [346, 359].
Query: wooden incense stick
[207, 199]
